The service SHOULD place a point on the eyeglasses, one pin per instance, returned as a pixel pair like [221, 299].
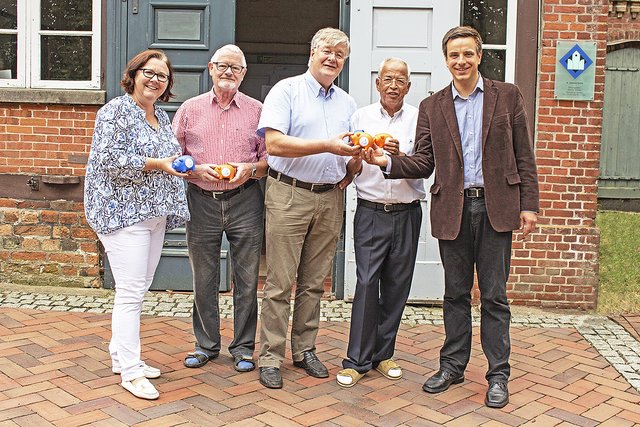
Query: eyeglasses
[150, 74]
[399, 81]
[222, 67]
[337, 53]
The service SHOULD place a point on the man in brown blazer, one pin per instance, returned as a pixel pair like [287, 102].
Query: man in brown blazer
[475, 135]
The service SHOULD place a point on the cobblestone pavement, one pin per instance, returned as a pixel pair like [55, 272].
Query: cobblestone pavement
[568, 368]
[611, 340]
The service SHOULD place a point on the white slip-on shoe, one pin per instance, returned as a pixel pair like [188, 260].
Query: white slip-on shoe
[149, 371]
[142, 388]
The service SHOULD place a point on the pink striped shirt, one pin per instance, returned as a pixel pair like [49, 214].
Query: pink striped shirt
[213, 135]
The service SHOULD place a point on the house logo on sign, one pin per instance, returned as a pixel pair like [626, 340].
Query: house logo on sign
[575, 61]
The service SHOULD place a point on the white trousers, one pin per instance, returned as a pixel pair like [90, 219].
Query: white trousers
[134, 253]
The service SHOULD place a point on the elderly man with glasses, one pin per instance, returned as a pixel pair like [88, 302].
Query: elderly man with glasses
[386, 231]
[304, 120]
[215, 128]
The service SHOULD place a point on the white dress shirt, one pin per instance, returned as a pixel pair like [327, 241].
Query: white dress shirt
[371, 184]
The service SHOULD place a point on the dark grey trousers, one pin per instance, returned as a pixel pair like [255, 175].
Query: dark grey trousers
[478, 243]
[241, 218]
[386, 244]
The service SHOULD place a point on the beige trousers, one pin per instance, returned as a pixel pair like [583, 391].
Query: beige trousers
[302, 230]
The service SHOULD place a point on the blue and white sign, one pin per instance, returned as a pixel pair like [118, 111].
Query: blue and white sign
[575, 70]
[576, 61]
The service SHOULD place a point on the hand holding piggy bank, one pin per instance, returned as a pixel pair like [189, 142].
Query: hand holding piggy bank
[183, 164]
[381, 138]
[226, 171]
[362, 139]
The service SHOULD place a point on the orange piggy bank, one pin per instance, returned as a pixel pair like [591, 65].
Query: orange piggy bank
[381, 138]
[226, 171]
[362, 139]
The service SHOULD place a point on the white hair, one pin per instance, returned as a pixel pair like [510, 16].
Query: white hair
[392, 59]
[229, 48]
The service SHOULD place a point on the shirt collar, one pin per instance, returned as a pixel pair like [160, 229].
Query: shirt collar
[385, 113]
[317, 87]
[479, 87]
[213, 97]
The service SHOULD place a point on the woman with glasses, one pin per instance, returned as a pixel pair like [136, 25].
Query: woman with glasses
[132, 195]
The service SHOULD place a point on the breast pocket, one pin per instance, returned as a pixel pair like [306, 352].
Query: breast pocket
[500, 130]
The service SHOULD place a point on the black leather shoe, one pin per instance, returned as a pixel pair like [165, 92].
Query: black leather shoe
[270, 377]
[312, 365]
[497, 395]
[441, 381]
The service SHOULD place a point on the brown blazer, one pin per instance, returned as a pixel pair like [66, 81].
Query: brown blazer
[508, 160]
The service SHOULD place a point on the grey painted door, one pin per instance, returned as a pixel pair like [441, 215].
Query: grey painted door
[188, 32]
[620, 149]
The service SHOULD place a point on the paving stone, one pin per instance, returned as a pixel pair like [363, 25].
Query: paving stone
[579, 369]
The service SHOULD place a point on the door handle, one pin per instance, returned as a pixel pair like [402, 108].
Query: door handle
[135, 6]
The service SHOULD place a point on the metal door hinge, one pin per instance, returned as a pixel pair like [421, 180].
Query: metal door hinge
[633, 70]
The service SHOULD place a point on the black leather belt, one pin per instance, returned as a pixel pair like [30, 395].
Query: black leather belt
[316, 188]
[474, 192]
[225, 195]
[388, 207]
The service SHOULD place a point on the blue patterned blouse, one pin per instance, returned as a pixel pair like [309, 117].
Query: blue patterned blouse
[117, 191]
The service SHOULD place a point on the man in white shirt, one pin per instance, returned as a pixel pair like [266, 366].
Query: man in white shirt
[386, 231]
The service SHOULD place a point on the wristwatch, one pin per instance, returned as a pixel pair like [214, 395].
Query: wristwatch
[254, 170]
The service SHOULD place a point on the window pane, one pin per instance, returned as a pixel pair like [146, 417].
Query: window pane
[69, 15]
[8, 49]
[489, 17]
[8, 14]
[493, 64]
[65, 58]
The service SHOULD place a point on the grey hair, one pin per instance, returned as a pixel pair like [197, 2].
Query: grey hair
[330, 37]
[393, 59]
[229, 48]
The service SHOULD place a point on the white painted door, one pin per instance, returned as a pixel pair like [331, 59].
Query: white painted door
[411, 30]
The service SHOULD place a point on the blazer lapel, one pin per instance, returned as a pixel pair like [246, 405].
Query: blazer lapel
[490, 99]
[449, 112]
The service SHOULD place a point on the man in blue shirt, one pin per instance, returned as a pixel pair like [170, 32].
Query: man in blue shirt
[304, 120]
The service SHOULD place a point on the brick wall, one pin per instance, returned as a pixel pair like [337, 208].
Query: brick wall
[39, 139]
[46, 242]
[49, 242]
[624, 21]
[559, 266]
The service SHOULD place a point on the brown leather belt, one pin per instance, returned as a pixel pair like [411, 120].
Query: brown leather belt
[388, 207]
[225, 195]
[474, 193]
[316, 188]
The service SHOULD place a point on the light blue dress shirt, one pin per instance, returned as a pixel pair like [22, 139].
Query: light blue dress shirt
[469, 115]
[299, 106]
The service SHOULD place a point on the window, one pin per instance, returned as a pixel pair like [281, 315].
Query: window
[496, 22]
[50, 44]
